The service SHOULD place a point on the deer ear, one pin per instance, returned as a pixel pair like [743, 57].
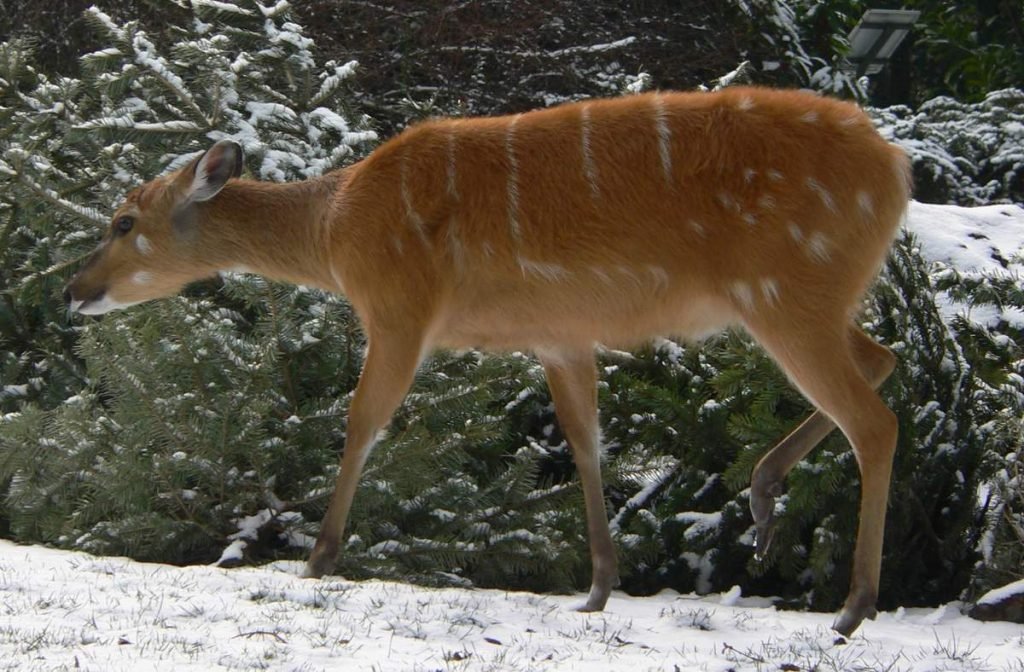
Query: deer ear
[213, 169]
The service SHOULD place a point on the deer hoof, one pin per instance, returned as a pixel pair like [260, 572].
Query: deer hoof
[317, 568]
[850, 618]
[762, 508]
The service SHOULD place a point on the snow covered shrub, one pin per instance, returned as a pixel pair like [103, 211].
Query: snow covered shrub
[965, 153]
[167, 423]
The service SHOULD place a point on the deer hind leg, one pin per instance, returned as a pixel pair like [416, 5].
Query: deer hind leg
[822, 363]
[875, 362]
[572, 378]
[388, 371]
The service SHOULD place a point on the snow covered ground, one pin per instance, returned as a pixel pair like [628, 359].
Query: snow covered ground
[66, 610]
[973, 242]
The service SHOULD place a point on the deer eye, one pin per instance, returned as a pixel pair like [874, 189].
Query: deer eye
[123, 225]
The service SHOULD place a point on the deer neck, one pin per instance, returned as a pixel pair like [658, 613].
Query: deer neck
[277, 230]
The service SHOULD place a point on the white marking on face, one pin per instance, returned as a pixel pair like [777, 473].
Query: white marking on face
[809, 117]
[142, 278]
[513, 180]
[824, 194]
[742, 293]
[589, 167]
[143, 245]
[867, 206]
[411, 216]
[770, 290]
[452, 185]
[745, 104]
[546, 271]
[664, 137]
[817, 247]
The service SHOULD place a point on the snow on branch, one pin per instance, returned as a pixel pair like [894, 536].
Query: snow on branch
[556, 53]
[146, 56]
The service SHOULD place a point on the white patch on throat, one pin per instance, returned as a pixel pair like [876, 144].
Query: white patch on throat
[101, 306]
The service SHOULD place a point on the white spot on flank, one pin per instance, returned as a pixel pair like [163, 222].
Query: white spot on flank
[817, 247]
[142, 278]
[809, 117]
[766, 202]
[664, 137]
[698, 228]
[660, 276]
[599, 272]
[824, 194]
[143, 245]
[770, 290]
[867, 206]
[626, 271]
[745, 103]
[336, 277]
[742, 293]
[544, 270]
[749, 218]
[589, 167]
[727, 201]
[749, 174]
[513, 179]
[774, 175]
[849, 121]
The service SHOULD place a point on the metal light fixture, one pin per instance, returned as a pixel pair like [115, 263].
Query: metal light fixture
[875, 38]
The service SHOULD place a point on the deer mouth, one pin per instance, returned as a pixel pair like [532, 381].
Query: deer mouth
[96, 304]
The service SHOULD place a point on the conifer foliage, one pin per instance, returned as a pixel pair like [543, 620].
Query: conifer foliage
[150, 432]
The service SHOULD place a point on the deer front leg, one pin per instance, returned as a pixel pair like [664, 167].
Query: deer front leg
[391, 362]
[572, 378]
